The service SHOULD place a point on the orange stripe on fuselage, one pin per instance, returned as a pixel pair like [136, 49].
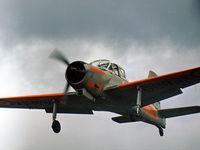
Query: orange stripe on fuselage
[153, 108]
[94, 85]
[147, 109]
[97, 70]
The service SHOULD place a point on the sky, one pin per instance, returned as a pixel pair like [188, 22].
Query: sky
[139, 35]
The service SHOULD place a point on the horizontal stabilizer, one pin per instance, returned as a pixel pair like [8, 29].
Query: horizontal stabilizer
[122, 119]
[175, 112]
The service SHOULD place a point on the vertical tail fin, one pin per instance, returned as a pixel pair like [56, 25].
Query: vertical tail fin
[153, 74]
[157, 105]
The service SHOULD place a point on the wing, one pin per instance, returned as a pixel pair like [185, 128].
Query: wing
[175, 112]
[154, 89]
[70, 103]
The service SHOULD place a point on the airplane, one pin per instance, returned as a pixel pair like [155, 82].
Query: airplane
[102, 86]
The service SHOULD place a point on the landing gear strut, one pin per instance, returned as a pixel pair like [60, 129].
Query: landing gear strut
[139, 98]
[161, 132]
[55, 125]
[135, 110]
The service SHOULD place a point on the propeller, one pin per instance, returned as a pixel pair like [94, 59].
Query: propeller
[58, 55]
[66, 88]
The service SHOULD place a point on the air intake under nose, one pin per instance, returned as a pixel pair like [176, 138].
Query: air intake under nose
[75, 72]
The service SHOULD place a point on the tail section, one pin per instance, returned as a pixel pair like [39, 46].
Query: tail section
[157, 105]
[153, 74]
[175, 112]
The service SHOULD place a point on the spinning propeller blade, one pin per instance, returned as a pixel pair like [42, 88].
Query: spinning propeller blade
[56, 54]
[66, 88]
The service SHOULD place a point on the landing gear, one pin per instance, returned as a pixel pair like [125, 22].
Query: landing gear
[135, 110]
[139, 99]
[161, 132]
[55, 125]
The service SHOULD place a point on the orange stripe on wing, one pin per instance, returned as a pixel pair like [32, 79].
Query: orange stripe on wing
[55, 96]
[97, 70]
[161, 78]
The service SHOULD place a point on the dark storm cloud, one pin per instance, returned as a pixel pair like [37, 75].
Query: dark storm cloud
[139, 20]
[197, 8]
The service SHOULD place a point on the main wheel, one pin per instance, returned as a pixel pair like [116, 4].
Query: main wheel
[56, 126]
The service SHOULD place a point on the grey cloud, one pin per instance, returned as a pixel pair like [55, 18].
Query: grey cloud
[33, 73]
[139, 35]
[143, 21]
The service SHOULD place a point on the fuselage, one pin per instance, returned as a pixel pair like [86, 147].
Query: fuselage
[91, 81]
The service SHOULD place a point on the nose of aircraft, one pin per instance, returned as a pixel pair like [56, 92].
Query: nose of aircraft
[75, 72]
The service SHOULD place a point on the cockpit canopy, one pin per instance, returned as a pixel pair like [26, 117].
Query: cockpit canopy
[108, 66]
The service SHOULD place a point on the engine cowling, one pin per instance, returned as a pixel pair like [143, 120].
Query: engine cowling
[75, 72]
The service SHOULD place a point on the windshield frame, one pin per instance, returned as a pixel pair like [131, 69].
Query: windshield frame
[105, 64]
[102, 64]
